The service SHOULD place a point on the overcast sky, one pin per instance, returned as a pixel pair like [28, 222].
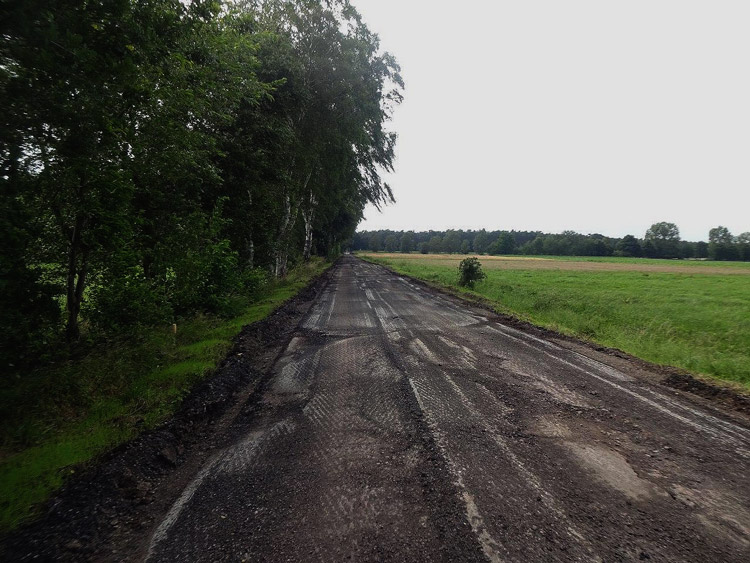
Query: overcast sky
[591, 115]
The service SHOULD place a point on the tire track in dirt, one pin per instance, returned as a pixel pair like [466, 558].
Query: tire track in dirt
[403, 425]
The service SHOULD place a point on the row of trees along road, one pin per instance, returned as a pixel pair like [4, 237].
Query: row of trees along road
[158, 157]
[661, 240]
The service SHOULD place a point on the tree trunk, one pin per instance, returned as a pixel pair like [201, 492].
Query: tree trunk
[285, 228]
[282, 243]
[250, 252]
[307, 215]
[76, 280]
[250, 246]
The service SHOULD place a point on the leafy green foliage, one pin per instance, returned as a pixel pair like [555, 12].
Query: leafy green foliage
[664, 238]
[505, 244]
[155, 154]
[721, 245]
[470, 272]
[629, 247]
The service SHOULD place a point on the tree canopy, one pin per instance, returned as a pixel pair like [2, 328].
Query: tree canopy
[661, 241]
[156, 154]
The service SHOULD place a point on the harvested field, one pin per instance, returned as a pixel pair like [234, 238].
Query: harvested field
[582, 264]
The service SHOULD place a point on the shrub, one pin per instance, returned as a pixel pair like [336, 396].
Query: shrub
[470, 272]
[255, 281]
[121, 298]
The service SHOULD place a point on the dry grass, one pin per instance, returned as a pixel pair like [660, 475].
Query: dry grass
[584, 264]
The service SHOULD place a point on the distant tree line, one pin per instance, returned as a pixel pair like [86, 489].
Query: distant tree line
[661, 240]
[159, 157]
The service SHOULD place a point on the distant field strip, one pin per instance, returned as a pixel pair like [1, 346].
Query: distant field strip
[693, 315]
[592, 264]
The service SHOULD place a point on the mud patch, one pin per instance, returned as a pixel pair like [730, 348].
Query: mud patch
[551, 428]
[614, 470]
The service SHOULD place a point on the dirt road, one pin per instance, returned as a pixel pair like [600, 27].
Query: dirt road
[402, 425]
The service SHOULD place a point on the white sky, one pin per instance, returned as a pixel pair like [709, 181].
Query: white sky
[592, 115]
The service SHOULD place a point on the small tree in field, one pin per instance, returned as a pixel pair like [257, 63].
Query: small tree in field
[470, 272]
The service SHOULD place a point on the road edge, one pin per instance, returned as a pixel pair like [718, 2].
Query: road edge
[714, 393]
[112, 498]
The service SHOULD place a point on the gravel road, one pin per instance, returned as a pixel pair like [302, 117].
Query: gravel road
[403, 425]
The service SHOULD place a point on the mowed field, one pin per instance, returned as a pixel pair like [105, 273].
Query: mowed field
[689, 314]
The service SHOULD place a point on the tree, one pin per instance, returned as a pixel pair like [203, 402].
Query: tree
[649, 249]
[720, 235]
[376, 242]
[534, 246]
[470, 272]
[664, 237]
[743, 246]
[505, 244]
[391, 243]
[481, 242]
[155, 153]
[407, 242]
[465, 247]
[452, 242]
[628, 246]
[663, 231]
[436, 244]
[80, 84]
[701, 249]
[346, 92]
[721, 244]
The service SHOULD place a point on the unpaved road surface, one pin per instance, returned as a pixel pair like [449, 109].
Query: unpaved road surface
[402, 425]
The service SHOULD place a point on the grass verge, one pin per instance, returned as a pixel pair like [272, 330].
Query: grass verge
[700, 322]
[63, 417]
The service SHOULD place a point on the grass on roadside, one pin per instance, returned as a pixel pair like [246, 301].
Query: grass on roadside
[699, 322]
[65, 416]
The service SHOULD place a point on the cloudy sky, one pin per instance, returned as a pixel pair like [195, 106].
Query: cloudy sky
[592, 115]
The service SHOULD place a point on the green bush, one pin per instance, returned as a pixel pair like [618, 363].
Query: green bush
[470, 272]
[29, 317]
[255, 281]
[122, 299]
[195, 266]
[334, 252]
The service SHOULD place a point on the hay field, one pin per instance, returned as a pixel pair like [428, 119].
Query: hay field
[585, 263]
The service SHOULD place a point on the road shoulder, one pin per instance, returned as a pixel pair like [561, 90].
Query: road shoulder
[120, 497]
[715, 395]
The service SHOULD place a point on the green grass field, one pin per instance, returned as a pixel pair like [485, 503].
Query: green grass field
[699, 321]
[61, 418]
